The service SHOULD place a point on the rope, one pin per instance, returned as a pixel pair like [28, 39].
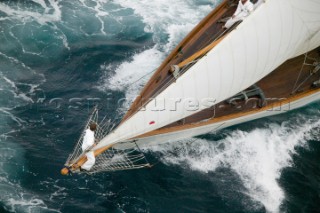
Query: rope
[139, 79]
[117, 159]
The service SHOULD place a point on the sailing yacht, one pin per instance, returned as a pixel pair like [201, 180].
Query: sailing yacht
[265, 65]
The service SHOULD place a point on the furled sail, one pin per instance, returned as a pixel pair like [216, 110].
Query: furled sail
[275, 32]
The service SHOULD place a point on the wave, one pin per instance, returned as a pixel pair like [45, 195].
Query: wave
[257, 156]
[168, 23]
[34, 16]
[13, 196]
[99, 12]
[131, 76]
[51, 12]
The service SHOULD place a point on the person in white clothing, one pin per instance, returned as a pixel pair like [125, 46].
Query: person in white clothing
[245, 7]
[89, 141]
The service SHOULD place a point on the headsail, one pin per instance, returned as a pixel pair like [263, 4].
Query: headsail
[274, 33]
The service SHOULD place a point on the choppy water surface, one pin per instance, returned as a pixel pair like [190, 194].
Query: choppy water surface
[58, 58]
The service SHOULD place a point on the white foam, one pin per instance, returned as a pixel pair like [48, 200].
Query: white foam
[176, 33]
[99, 12]
[159, 15]
[16, 92]
[258, 157]
[28, 205]
[59, 193]
[130, 71]
[52, 14]
[41, 18]
[24, 94]
[42, 3]
[13, 117]
[16, 61]
[163, 19]
[62, 36]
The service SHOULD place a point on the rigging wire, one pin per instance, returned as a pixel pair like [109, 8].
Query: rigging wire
[294, 89]
[184, 69]
[139, 79]
[297, 86]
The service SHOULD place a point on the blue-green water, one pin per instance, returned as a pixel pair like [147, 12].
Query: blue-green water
[59, 58]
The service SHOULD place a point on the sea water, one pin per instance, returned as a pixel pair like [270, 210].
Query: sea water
[60, 58]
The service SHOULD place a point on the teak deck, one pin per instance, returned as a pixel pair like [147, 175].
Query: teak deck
[277, 86]
[201, 36]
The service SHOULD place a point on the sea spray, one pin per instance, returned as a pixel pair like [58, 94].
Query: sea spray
[257, 156]
[168, 23]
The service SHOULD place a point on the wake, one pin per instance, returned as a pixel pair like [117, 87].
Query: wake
[258, 156]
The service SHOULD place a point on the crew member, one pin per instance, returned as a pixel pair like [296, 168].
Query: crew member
[245, 7]
[89, 141]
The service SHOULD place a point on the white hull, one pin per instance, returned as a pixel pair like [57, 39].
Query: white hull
[188, 133]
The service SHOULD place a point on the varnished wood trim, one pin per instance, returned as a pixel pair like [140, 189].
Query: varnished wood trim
[83, 159]
[189, 38]
[229, 117]
[201, 52]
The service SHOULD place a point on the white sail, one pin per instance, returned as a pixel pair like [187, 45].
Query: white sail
[275, 32]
